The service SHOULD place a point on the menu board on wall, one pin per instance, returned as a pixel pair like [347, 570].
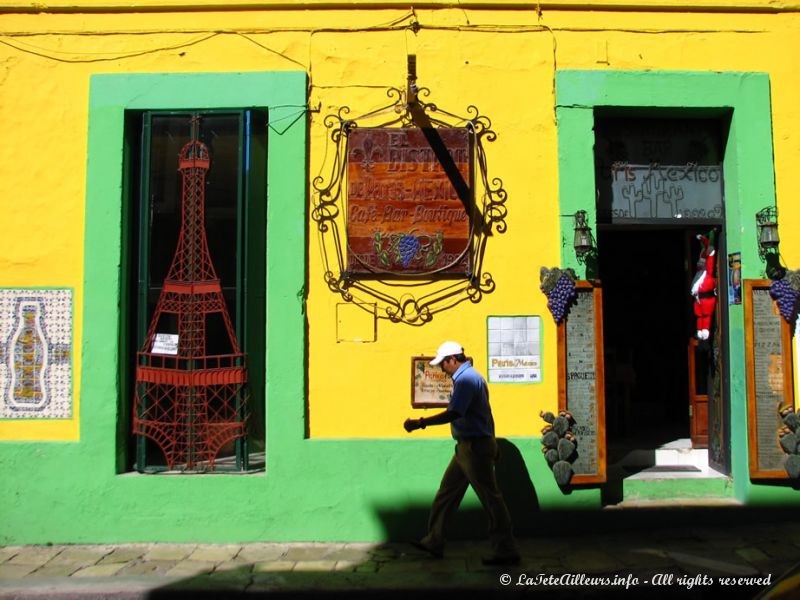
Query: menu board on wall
[768, 347]
[581, 381]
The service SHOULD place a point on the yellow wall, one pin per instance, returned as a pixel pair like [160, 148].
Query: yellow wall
[501, 60]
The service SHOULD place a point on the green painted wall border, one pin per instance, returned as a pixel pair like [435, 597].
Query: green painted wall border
[749, 186]
[669, 489]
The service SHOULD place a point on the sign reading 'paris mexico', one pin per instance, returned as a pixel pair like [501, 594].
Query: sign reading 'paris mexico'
[407, 191]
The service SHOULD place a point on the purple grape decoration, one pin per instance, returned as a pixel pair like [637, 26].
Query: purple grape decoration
[559, 295]
[786, 297]
[407, 248]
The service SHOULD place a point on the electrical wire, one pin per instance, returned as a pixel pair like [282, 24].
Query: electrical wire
[42, 53]
[268, 49]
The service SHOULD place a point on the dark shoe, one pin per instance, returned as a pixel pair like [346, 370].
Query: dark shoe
[434, 552]
[500, 561]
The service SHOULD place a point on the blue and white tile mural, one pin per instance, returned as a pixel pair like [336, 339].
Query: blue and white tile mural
[36, 353]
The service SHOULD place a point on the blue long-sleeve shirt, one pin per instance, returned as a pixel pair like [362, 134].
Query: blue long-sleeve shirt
[470, 400]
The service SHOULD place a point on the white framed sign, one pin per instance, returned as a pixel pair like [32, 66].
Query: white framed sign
[165, 343]
[430, 386]
[515, 349]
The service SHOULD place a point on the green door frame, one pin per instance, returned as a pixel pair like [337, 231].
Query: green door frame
[748, 168]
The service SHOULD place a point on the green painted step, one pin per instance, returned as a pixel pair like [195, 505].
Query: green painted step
[674, 488]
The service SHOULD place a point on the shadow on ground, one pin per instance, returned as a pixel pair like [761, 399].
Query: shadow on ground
[677, 541]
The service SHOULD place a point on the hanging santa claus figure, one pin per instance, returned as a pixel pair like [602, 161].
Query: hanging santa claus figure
[704, 286]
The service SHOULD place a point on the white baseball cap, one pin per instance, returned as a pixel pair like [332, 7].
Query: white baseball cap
[446, 349]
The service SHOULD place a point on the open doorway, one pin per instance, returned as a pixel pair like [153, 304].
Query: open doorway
[658, 374]
[659, 185]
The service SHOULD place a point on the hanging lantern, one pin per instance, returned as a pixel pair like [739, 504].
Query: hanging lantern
[582, 242]
[767, 222]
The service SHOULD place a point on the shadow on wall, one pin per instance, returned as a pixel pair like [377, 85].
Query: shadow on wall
[409, 522]
[518, 489]
[405, 523]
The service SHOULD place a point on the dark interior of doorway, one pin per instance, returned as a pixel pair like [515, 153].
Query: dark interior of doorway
[646, 274]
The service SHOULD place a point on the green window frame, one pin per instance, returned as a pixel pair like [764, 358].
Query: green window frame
[114, 98]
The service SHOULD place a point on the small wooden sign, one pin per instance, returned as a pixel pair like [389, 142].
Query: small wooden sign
[430, 386]
[408, 190]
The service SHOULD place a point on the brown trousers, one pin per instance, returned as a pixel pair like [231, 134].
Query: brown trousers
[473, 464]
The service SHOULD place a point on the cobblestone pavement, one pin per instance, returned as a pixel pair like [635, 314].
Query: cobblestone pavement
[667, 562]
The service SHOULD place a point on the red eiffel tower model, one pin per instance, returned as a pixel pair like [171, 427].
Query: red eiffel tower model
[189, 403]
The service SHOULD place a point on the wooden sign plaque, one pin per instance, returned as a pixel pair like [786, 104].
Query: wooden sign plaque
[430, 386]
[581, 381]
[407, 193]
[768, 359]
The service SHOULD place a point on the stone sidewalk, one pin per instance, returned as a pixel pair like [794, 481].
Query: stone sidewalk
[669, 563]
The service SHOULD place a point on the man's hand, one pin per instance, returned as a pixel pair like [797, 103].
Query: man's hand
[447, 416]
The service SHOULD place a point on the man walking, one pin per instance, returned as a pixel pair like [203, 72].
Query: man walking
[472, 426]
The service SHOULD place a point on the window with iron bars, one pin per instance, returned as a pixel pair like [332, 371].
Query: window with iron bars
[235, 225]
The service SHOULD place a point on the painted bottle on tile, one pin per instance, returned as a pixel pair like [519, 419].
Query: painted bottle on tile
[27, 359]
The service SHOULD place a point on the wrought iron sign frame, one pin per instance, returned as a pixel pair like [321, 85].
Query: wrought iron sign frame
[411, 298]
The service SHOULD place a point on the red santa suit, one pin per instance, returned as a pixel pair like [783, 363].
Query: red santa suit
[704, 287]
